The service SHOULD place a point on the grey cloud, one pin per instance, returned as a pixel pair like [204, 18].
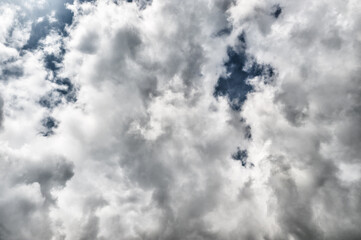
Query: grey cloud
[89, 43]
[295, 103]
[11, 68]
[22, 218]
[1, 111]
[295, 209]
[90, 231]
[11, 71]
[51, 173]
[333, 40]
[26, 194]
[150, 164]
[127, 42]
[312, 136]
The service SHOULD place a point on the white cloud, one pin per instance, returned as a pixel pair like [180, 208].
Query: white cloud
[309, 115]
[145, 151]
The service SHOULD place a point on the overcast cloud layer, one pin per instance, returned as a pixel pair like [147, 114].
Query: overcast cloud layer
[180, 120]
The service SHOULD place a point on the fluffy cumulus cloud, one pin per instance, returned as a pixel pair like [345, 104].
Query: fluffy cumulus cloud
[222, 119]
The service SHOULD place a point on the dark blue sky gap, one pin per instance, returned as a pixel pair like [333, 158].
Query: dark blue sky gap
[65, 92]
[277, 10]
[241, 155]
[235, 87]
[41, 29]
[52, 62]
[10, 70]
[234, 84]
[49, 124]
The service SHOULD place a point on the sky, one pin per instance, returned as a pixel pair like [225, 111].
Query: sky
[180, 120]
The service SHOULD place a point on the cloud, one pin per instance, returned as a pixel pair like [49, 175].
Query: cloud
[302, 118]
[26, 186]
[189, 120]
[1, 111]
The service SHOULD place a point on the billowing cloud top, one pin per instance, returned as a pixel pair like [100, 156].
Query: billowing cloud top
[167, 120]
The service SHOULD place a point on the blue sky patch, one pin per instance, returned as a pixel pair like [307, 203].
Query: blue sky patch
[241, 155]
[224, 32]
[239, 68]
[277, 10]
[49, 124]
